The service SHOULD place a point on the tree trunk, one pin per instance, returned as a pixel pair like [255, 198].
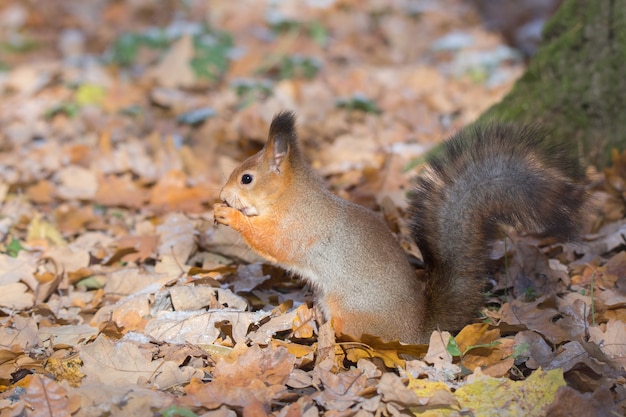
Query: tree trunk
[576, 84]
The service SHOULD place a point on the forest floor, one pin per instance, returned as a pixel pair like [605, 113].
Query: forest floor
[121, 120]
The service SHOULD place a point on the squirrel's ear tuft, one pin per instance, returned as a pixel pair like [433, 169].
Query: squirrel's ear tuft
[283, 124]
[282, 139]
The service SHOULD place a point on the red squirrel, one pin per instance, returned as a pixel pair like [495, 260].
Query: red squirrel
[483, 177]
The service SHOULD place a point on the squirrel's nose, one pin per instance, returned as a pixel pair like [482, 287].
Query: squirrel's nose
[223, 197]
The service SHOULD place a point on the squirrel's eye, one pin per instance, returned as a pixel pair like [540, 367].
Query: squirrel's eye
[246, 179]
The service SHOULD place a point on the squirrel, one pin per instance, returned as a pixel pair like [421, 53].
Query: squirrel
[484, 177]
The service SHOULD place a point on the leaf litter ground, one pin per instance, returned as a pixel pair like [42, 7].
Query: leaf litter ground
[118, 295]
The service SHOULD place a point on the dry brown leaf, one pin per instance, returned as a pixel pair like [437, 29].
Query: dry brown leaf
[542, 317]
[42, 192]
[172, 193]
[131, 280]
[127, 313]
[72, 220]
[200, 327]
[570, 402]
[483, 348]
[21, 332]
[120, 399]
[29, 78]
[540, 354]
[16, 296]
[120, 191]
[114, 363]
[174, 70]
[438, 354]
[341, 390]
[76, 183]
[278, 323]
[145, 247]
[20, 268]
[190, 298]
[573, 356]
[67, 335]
[255, 376]
[46, 398]
[612, 341]
[176, 244]
[67, 258]
[249, 277]
[170, 374]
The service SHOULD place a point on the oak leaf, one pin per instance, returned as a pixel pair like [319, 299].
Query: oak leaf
[118, 363]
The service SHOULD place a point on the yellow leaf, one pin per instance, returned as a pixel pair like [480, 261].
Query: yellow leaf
[39, 229]
[299, 351]
[500, 396]
[67, 369]
[427, 388]
[476, 334]
[483, 348]
[88, 94]
[301, 324]
[373, 347]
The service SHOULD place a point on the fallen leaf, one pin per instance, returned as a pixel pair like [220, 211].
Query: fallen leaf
[303, 322]
[41, 231]
[496, 396]
[42, 192]
[437, 392]
[120, 362]
[20, 268]
[543, 317]
[16, 296]
[76, 183]
[171, 375]
[481, 347]
[120, 191]
[438, 354]
[569, 402]
[394, 390]
[249, 277]
[370, 346]
[176, 244]
[255, 376]
[68, 335]
[175, 70]
[97, 398]
[200, 327]
[66, 369]
[131, 281]
[341, 390]
[22, 333]
[612, 341]
[145, 246]
[68, 259]
[46, 398]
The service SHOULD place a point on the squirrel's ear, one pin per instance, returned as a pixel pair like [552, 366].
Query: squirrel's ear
[281, 141]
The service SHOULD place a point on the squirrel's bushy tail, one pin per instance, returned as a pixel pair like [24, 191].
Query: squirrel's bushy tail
[484, 177]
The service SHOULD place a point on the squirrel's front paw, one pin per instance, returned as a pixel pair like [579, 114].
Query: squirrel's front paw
[224, 214]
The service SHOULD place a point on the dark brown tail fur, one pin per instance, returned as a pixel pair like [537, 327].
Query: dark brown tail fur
[484, 177]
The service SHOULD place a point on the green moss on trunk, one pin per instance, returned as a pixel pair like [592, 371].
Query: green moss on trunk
[576, 84]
